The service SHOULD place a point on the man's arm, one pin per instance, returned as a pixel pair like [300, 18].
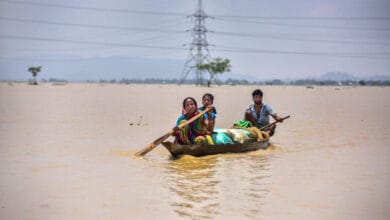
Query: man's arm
[277, 118]
[249, 117]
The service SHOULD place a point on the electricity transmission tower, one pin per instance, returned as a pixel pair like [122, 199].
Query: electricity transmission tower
[199, 52]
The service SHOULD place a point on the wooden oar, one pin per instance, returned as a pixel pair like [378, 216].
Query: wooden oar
[158, 141]
[273, 123]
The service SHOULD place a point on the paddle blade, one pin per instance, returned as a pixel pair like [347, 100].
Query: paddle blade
[155, 143]
[158, 141]
[146, 149]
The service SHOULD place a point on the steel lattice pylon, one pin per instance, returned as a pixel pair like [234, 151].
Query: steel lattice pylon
[199, 52]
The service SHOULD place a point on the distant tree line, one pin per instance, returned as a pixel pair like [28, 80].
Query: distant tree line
[300, 82]
[341, 83]
[218, 66]
[229, 81]
[55, 80]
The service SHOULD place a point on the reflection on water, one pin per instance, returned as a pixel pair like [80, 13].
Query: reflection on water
[193, 182]
[245, 181]
[331, 161]
[258, 185]
[219, 186]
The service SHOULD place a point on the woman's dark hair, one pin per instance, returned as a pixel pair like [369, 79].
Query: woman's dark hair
[257, 92]
[185, 100]
[209, 95]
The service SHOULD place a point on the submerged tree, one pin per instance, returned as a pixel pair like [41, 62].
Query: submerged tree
[34, 71]
[217, 66]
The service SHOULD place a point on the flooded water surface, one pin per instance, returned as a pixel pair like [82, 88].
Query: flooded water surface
[66, 152]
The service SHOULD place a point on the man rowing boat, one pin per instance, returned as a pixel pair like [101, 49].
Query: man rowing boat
[258, 113]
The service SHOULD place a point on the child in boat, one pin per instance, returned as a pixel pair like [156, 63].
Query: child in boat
[209, 117]
[193, 132]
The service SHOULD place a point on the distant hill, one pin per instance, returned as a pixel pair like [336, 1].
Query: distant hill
[340, 76]
[337, 76]
[377, 78]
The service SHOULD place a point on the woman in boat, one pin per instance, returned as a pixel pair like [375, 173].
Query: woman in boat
[194, 132]
[209, 117]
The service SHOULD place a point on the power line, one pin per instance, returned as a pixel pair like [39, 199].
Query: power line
[307, 26]
[303, 18]
[223, 49]
[270, 36]
[94, 8]
[87, 42]
[351, 55]
[132, 29]
[90, 25]
[235, 34]
[45, 50]
[182, 14]
[185, 15]
[40, 59]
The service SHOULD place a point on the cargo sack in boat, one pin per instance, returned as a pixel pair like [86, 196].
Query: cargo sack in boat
[220, 130]
[243, 124]
[256, 134]
[238, 136]
[209, 140]
[222, 138]
[247, 133]
[265, 135]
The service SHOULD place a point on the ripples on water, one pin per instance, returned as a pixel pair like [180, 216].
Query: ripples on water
[71, 159]
[222, 185]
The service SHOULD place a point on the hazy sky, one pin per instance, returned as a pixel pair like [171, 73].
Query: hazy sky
[94, 39]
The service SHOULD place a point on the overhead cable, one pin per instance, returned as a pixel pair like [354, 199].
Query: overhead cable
[224, 49]
[94, 8]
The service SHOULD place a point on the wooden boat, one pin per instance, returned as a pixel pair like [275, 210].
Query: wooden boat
[205, 149]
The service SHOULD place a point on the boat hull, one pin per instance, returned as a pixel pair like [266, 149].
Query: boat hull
[203, 150]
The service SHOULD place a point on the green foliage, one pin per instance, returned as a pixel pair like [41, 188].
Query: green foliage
[216, 66]
[34, 71]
